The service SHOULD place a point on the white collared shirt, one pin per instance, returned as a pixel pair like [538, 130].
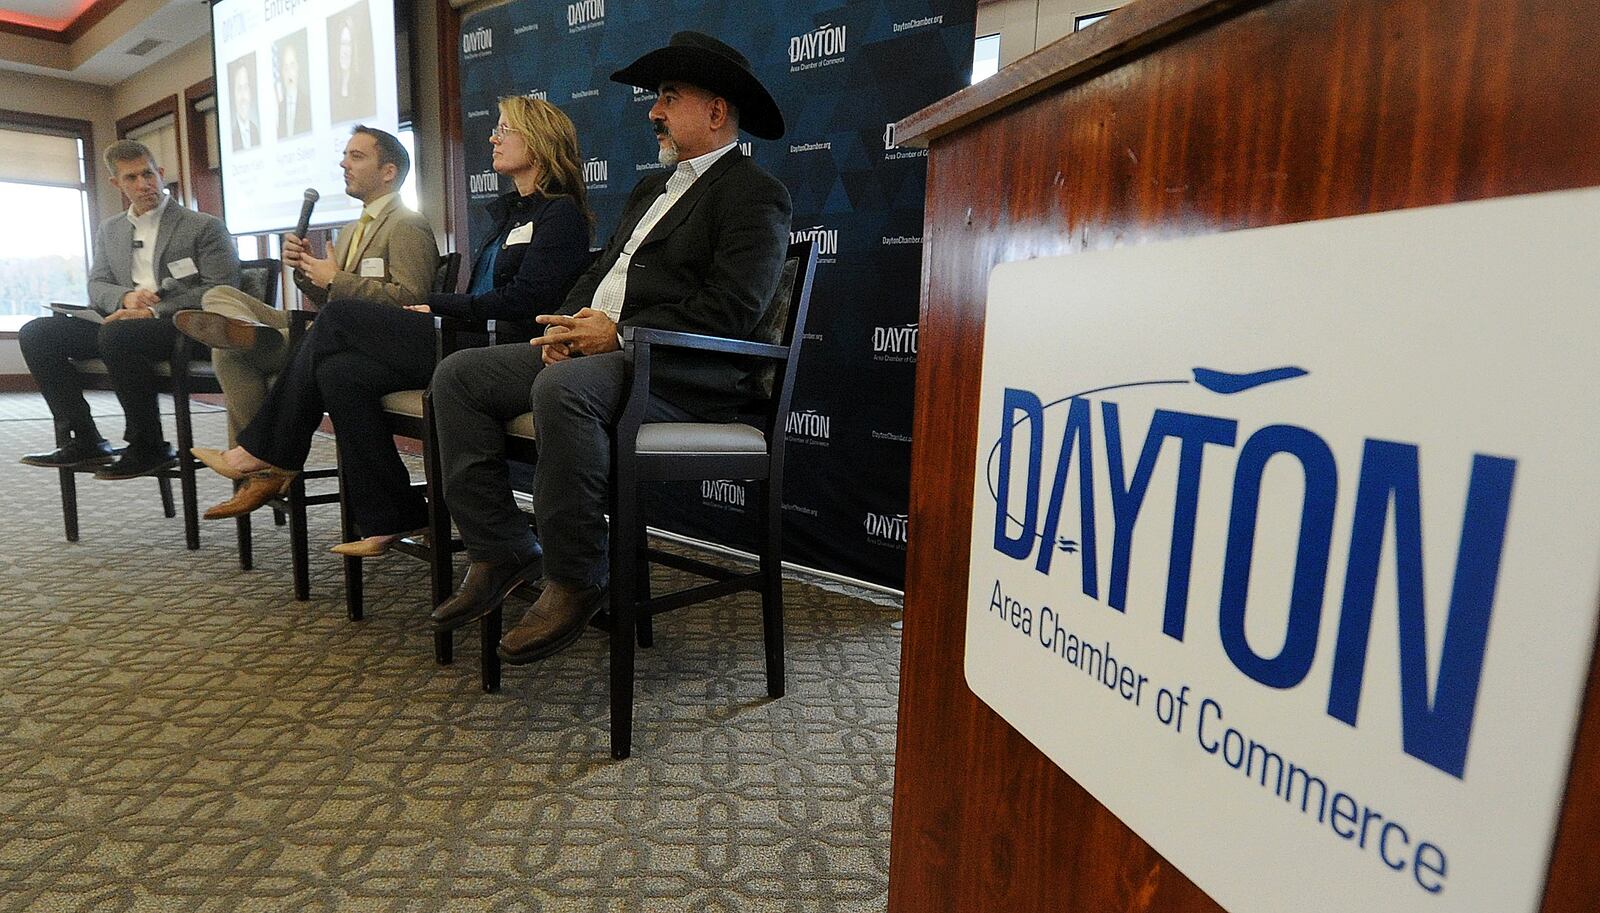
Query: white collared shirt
[376, 207]
[613, 289]
[246, 133]
[358, 237]
[145, 229]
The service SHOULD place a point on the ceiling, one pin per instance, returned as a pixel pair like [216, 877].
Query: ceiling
[89, 41]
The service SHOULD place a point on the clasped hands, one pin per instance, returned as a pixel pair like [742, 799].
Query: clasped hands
[588, 332]
[297, 254]
[139, 304]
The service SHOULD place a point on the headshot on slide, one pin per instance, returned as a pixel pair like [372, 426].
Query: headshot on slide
[246, 116]
[291, 84]
[351, 95]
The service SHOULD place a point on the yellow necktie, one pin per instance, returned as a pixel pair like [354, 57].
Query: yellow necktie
[354, 250]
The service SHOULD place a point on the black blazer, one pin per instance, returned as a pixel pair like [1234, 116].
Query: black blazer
[529, 279]
[709, 266]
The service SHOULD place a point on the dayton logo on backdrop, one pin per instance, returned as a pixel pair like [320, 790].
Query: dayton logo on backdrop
[1031, 526]
[821, 47]
[585, 15]
[723, 493]
[484, 184]
[886, 529]
[809, 427]
[826, 240]
[895, 344]
[477, 43]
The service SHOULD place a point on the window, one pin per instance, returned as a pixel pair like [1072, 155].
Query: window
[985, 57]
[1079, 23]
[44, 258]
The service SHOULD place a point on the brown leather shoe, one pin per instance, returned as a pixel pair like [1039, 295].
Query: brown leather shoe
[485, 586]
[553, 623]
[217, 330]
[258, 489]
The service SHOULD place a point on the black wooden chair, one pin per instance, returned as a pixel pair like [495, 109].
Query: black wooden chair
[188, 372]
[681, 451]
[409, 415]
[398, 412]
[292, 506]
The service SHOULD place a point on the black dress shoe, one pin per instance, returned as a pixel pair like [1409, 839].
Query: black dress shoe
[136, 462]
[485, 587]
[74, 455]
[553, 623]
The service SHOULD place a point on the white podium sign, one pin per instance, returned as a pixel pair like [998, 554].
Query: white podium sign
[1286, 545]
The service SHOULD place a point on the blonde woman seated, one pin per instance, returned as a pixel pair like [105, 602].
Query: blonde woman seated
[357, 351]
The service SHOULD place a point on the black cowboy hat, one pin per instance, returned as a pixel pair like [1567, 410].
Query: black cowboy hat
[704, 61]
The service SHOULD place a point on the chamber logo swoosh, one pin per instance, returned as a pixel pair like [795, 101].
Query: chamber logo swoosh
[1226, 382]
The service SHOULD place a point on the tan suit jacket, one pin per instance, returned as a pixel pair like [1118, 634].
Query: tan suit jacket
[403, 240]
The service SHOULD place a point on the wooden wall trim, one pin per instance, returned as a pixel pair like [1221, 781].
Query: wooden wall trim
[156, 109]
[454, 152]
[205, 176]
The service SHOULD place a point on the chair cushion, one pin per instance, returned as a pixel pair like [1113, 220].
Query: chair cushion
[405, 402]
[700, 437]
[521, 426]
[163, 369]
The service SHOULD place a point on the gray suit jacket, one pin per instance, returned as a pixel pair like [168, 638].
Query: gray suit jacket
[182, 234]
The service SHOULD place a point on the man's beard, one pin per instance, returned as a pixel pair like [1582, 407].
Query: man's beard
[667, 155]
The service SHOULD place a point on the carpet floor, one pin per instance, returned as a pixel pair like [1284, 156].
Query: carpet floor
[180, 735]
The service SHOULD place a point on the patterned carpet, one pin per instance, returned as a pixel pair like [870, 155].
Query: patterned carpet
[178, 735]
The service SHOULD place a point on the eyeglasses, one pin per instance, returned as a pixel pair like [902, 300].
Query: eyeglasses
[499, 132]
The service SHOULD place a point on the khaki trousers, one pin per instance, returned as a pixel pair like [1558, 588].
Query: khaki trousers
[245, 374]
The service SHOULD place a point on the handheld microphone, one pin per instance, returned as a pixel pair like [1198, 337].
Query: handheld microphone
[304, 224]
[168, 284]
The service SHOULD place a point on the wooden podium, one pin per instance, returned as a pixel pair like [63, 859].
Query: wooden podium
[1175, 118]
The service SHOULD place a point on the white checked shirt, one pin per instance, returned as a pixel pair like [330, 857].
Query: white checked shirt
[609, 295]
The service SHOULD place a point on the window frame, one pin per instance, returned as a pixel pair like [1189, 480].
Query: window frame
[83, 132]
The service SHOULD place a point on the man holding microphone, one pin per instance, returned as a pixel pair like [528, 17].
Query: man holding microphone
[387, 256]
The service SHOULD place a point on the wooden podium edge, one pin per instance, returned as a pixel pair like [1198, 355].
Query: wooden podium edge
[1126, 32]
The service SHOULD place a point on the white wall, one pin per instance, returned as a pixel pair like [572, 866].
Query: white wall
[1025, 26]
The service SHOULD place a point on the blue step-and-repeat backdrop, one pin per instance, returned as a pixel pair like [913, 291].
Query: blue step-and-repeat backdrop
[842, 73]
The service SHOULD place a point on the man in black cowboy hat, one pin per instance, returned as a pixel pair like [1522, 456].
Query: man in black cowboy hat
[699, 249]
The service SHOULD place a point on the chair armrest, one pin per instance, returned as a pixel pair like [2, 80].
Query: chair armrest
[299, 321]
[447, 329]
[652, 337]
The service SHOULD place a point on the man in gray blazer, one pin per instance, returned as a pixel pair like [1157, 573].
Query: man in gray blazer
[149, 262]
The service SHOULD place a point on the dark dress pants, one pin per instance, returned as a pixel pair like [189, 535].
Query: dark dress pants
[131, 350]
[575, 405]
[354, 354]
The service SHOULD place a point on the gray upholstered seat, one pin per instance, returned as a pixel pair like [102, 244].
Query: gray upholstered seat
[404, 402]
[700, 437]
[409, 403]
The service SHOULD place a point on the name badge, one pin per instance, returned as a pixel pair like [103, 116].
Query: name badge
[182, 269]
[372, 268]
[522, 234]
